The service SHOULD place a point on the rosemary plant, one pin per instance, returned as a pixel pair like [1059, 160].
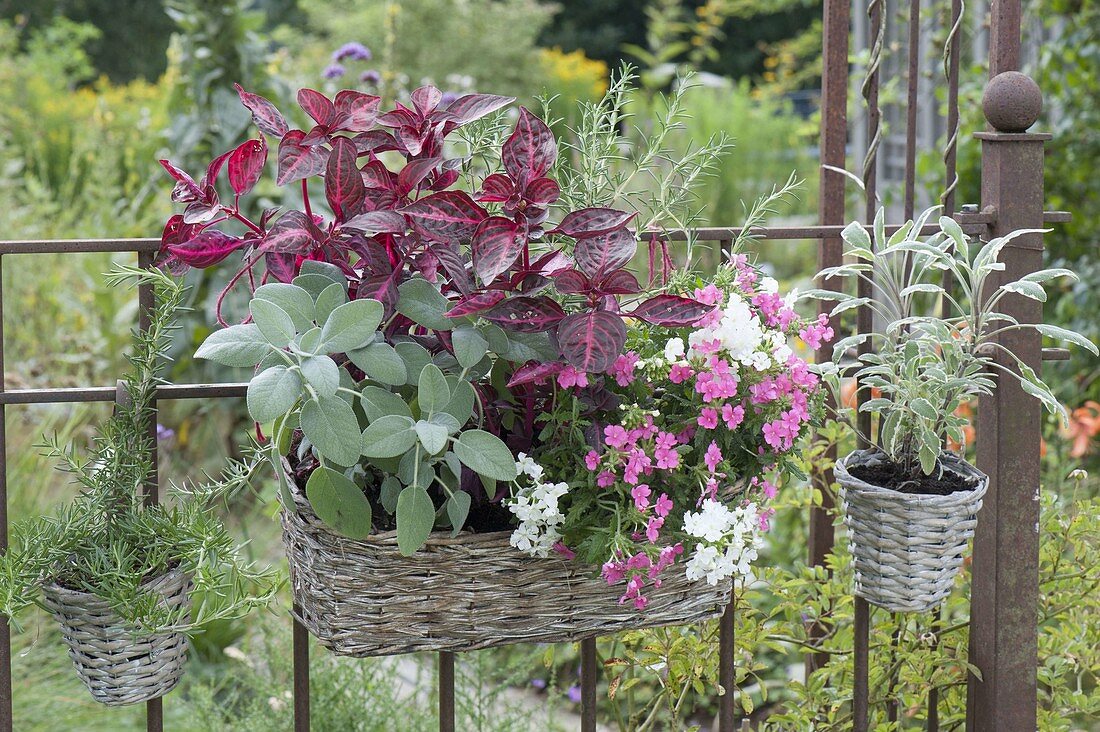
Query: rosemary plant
[106, 542]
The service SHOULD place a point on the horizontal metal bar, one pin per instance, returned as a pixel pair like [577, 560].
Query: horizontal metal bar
[77, 246]
[1056, 354]
[107, 393]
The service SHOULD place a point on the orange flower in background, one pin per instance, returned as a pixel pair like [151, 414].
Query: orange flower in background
[848, 393]
[1084, 425]
[966, 411]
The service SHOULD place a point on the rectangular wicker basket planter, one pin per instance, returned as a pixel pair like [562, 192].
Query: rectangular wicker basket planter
[362, 598]
[907, 548]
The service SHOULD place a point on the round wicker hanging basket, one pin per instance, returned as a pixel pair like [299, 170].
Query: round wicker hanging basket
[906, 548]
[363, 598]
[118, 666]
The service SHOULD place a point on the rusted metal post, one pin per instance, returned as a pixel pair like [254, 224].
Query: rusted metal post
[588, 685]
[446, 692]
[300, 640]
[6, 721]
[727, 671]
[833, 143]
[1005, 588]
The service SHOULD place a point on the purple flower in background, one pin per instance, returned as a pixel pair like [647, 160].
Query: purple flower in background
[539, 684]
[333, 71]
[354, 51]
[164, 433]
[447, 98]
[574, 694]
[370, 76]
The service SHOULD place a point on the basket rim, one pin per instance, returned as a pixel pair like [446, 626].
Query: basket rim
[857, 487]
[173, 575]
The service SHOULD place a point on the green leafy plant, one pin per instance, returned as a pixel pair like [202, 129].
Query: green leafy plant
[418, 409]
[923, 366]
[107, 542]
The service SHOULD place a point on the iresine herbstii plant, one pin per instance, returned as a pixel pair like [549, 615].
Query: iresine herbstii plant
[430, 358]
[685, 455]
[924, 365]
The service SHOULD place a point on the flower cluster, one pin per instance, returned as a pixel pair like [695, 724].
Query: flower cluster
[728, 541]
[535, 505]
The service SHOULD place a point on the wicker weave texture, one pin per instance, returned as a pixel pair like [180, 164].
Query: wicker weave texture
[118, 667]
[362, 598]
[907, 549]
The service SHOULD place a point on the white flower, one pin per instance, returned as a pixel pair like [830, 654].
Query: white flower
[769, 285]
[791, 297]
[730, 542]
[674, 350]
[711, 523]
[527, 465]
[536, 507]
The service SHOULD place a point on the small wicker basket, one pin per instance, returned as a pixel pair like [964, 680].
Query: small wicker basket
[362, 598]
[907, 549]
[117, 666]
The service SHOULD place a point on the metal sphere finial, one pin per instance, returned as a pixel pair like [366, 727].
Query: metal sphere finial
[1012, 102]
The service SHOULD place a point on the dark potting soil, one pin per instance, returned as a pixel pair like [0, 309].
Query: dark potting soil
[893, 476]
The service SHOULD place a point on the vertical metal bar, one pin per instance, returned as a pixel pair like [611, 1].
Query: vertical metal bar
[1005, 22]
[154, 708]
[913, 84]
[301, 675]
[832, 145]
[933, 694]
[6, 720]
[446, 692]
[727, 675]
[588, 685]
[862, 635]
[951, 68]
[1005, 571]
[870, 90]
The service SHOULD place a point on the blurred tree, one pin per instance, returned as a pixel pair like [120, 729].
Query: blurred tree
[133, 34]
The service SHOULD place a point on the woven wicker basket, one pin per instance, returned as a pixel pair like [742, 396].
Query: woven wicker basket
[362, 598]
[907, 549]
[118, 667]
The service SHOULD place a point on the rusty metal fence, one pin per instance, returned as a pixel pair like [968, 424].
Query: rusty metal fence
[1003, 639]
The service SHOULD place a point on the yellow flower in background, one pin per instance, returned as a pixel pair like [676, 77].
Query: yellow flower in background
[573, 75]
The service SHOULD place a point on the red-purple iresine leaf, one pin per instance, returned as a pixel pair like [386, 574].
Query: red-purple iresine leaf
[317, 106]
[426, 99]
[290, 235]
[264, 115]
[531, 149]
[592, 341]
[377, 175]
[415, 172]
[377, 222]
[448, 215]
[283, 267]
[598, 255]
[380, 287]
[213, 169]
[526, 314]
[186, 189]
[473, 106]
[297, 161]
[592, 221]
[542, 191]
[206, 248]
[496, 245]
[670, 310]
[552, 263]
[619, 282]
[451, 259]
[571, 282]
[176, 231]
[246, 163]
[344, 187]
[534, 372]
[355, 111]
[478, 302]
[376, 141]
[496, 188]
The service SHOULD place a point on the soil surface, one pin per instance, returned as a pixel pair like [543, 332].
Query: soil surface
[891, 475]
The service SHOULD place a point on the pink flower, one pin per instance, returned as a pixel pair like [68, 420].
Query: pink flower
[713, 457]
[565, 551]
[663, 505]
[665, 451]
[733, 416]
[640, 494]
[592, 460]
[708, 418]
[623, 368]
[615, 436]
[679, 373]
[709, 295]
[613, 572]
[817, 333]
[605, 479]
[711, 489]
[653, 528]
[638, 561]
[569, 377]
